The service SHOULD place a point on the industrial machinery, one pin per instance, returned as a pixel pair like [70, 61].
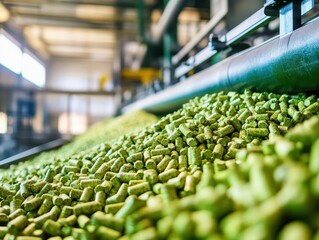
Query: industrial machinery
[286, 61]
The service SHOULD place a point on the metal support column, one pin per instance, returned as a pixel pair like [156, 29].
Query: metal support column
[169, 40]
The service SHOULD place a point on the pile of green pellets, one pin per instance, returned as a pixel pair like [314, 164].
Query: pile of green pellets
[215, 169]
[106, 131]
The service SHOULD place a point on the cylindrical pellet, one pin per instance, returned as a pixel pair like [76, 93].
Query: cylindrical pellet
[138, 189]
[18, 224]
[194, 156]
[86, 194]
[107, 233]
[101, 218]
[52, 228]
[150, 176]
[165, 176]
[87, 208]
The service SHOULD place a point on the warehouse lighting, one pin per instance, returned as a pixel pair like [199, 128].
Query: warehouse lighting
[93, 12]
[4, 13]
[33, 71]
[3, 123]
[10, 54]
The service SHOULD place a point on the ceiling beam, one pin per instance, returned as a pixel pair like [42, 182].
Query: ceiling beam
[69, 22]
[113, 3]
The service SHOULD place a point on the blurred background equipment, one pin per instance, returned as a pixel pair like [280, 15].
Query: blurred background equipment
[65, 65]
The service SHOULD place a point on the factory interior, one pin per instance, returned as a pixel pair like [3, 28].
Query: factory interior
[159, 119]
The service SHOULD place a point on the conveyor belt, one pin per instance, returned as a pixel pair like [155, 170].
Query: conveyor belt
[287, 64]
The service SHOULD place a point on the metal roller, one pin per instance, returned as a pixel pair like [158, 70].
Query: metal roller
[287, 64]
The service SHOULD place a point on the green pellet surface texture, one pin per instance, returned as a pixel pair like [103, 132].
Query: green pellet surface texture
[224, 166]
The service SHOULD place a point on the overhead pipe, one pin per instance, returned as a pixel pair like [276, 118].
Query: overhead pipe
[171, 11]
[288, 64]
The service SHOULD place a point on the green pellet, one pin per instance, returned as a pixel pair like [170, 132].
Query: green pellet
[107, 233]
[126, 167]
[190, 185]
[90, 183]
[66, 211]
[224, 131]
[120, 195]
[179, 143]
[126, 177]
[35, 188]
[101, 218]
[96, 165]
[100, 197]
[25, 190]
[28, 238]
[55, 238]
[15, 204]
[185, 130]
[194, 156]
[131, 205]
[45, 207]
[309, 100]
[179, 181]
[257, 132]
[168, 193]
[160, 151]
[173, 164]
[65, 190]
[219, 165]
[182, 163]
[66, 199]
[117, 164]
[101, 171]
[86, 194]
[163, 164]
[32, 204]
[138, 189]
[57, 201]
[17, 213]
[295, 230]
[157, 158]
[75, 194]
[105, 186]
[69, 221]
[68, 169]
[49, 175]
[150, 164]
[53, 215]
[29, 229]
[4, 219]
[150, 176]
[138, 165]
[313, 108]
[87, 208]
[134, 157]
[165, 176]
[145, 234]
[134, 182]
[83, 221]
[191, 142]
[146, 155]
[174, 155]
[18, 224]
[52, 228]
[243, 116]
[113, 208]
[76, 162]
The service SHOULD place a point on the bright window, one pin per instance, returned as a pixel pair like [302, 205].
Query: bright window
[75, 124]
[10, 54]
[3, 123]
[32, 70]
